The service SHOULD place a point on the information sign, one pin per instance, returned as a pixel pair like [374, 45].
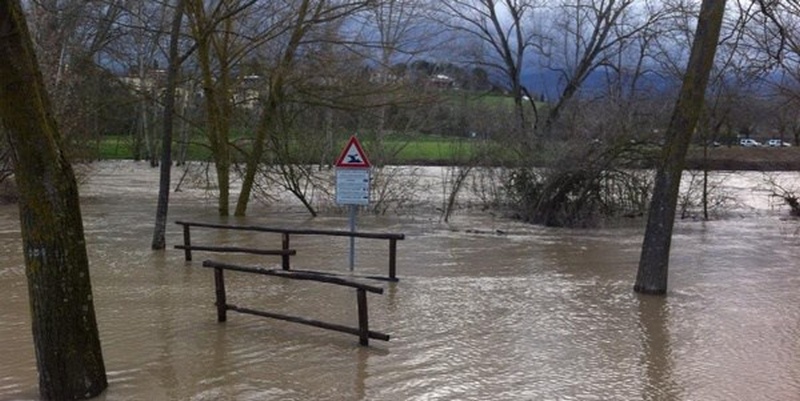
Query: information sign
[352, 186]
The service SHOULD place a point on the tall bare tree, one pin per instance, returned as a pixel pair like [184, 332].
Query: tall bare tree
[506, 34]
[216, 88]
[594, 34]
[65, 335]
[149, 24]
[220, 48]
[309, 26]
[777, 32]
[175, 61]
[654, 261]
[71, 38]
[307, 12]
[401, 33]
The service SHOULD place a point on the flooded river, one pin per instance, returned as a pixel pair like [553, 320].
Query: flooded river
[523, 313]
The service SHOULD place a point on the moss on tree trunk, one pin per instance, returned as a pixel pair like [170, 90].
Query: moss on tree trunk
[66, 340]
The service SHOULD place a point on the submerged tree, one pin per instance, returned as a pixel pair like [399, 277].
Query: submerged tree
[220, 49]
[66, 340]
[169, 108]
[654, 261]
[306, 15]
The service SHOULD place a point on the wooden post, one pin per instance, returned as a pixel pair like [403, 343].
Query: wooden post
[285, 247]
[392, 258]
[363, 317]
[219, 285]
[187, 242]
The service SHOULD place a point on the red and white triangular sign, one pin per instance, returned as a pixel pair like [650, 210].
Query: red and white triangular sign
[353, 155]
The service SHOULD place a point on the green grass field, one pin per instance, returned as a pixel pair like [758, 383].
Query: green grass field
[121, 148]
[114, 148]
[393, 150]
[435, 150]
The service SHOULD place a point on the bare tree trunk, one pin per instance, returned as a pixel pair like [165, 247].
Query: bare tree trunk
[654, 261]
[140, 143]
[216, 90]
[183, 142]
[509, 35]
[271, 109]
[705, 181]
[257, 150]
[159, 241]
[458, 176]
[65, 336]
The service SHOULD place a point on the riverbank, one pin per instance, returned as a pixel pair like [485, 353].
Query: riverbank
[724, 158]
[445, 151]
[737, 158]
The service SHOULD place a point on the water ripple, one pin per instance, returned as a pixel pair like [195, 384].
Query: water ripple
[535, 314]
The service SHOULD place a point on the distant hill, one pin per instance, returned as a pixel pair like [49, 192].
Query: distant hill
[551, 83]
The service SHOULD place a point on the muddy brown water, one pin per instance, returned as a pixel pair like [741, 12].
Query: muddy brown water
[530, 314]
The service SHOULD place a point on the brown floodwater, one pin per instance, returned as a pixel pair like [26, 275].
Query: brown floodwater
[527, 313]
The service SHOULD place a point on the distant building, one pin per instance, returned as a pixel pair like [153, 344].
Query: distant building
[245, 95]
[248, 92]
[149, 81]
[382, 76]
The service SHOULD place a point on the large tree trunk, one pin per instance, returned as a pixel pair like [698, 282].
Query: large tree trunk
[66, 341]
[159, 242]
[654, 261]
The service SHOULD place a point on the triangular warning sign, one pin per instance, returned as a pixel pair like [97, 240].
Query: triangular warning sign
[353, 155]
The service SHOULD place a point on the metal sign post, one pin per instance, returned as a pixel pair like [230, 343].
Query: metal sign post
[352, 185]
[353, 212]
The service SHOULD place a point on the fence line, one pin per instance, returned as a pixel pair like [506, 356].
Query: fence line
[285, 252]
[362, 331]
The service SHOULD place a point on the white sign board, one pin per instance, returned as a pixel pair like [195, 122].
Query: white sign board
[352, 186]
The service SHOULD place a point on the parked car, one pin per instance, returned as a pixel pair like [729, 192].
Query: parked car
[749, 142]
[777, 143]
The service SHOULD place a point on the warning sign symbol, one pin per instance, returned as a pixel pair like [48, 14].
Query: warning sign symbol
[353, 155]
